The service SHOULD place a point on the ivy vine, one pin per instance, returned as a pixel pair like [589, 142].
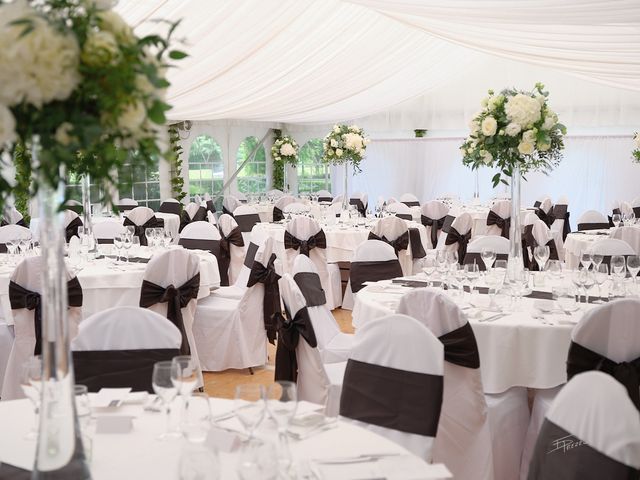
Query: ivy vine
[21, 190]
[175, 163]
[278, 165]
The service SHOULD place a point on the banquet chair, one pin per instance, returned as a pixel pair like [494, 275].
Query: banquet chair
[400, 210]
[361, 201]
[170, 287]
[279, 206]
[118, 347]
[433, 214]
[211, 218]
[560, 215]
[373, 260]
[458, 236]
[274, 192]
[246, 216]
[337, 199]
[463, 442]
[12, 216]
[6, 343]
[170, 205]
[406, 242]
[592, 220]
[332, 343]
[324, 196]
[298, 357]
[13, 232]
[591, 432]
[74, 206]
[393, 382]
[197, 199]
[635, 206]
[499, 218]
[207, 202]
[606, 338]
[125, 204]
[537, 234]
[192, 212]
[303, 235]
[608, 247]
[540, 200]
[544, 211]
[296, 208]
[106, 231]
[25, 290]
[229, 204]
[205, 236]
[71, 223]
[496, 243]
[141, 218]
[410, 200]
[233, 245]
[631, 235]
[232, 332]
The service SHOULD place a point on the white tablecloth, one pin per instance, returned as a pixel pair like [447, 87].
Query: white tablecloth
[577, 243]
[515, 350]
[105, 285]
[139, 454]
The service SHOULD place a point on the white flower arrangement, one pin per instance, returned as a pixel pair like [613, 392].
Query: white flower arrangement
[514, 128]
[345, 144]
[285, 149]
[636, 151]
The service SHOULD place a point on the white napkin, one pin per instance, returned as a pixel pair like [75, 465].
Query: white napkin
[405, 467]
[74, 246]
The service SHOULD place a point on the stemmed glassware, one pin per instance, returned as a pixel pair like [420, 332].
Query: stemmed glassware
[520, 282]
[618, 270]
[442, 266]
[578, 279]
[126, 245]
[163, 386]
[585, 260]
[616, 219]
[185, 377]
[282, 402]
[429, 267]
[601, 275]
[150, 233]
[249, 406]
[596, 259]
[488, 257]
[588, 283]
[12, 246]
[472, 272]
[633, 265]
[541, 255]
[196, 418]
[117, 244]
[31, 383]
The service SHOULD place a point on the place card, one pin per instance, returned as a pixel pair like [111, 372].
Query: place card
[110, 397]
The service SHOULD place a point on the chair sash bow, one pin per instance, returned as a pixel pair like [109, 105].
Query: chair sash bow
[373, 271]
[170, 207]
[271, 303]
[436, 225]
[278, 214]
[72, 229]
[547, 218]
[362, 208]
[311, 288]
[176, 299]
[460, 347]
[463, 240]
[289, 332]
[20, 297]
[224, 258]
[560, 212]
[398, 244]
[319, 240]
[417, 249]
[138, 230]
[503, 223]
[529, 241]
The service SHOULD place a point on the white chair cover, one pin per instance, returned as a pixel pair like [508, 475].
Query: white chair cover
[400, 210]
[197, 199]
[410, 199]
[127, 201]
[230, 332]
[283, 201]
[6, 343]
[435, 210]
[402, 343]
[126, 328]
[230, 203]
[176, 267]
[14, 232]
[630, 235]
[541, 199]
[106, 231]
[546, 204]
[200, 231]
[363, 197]
[611, 246]
[625, 208]
[392, 228]
[463, 225]
[591, 432]
[227, 223]
[324, 194]
[139, 215]
[192, 208]
[29, 274]
[592, 217]
[463, 441]
[12, 215]
[211, 218]
[501, 208]
[496, 243]
[303, 228]
[246, 216]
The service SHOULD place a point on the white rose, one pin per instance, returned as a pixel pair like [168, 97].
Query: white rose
[489, 126]
[100, 49]
[543, 147]
[353, 142]
[133, 117]
[529, 136]
[485, 101]
[494, 102]
[330, 152]
[487, 158]
[474, 126]
[354, 128]
[38, 67]
[336, 129]
[339, 152]
[334, 143]
[112, 22]
[541, 99]
[523, 110]
[7, 126]
[525, 148]
[637, 140]
[512, 129]
[62, 134]
[550, 120]
[287, 150]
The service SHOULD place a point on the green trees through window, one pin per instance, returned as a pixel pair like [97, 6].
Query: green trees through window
[313, 174]
[253, 177]
[206, 166]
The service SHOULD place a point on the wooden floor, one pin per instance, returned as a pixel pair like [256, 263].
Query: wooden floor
[223, 384]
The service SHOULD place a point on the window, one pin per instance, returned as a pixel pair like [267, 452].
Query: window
[140, 182]
[74, 189]
[253, 177]
[313, 174]
[206, 167]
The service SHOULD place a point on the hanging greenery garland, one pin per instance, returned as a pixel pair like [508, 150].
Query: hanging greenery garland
[175, 164]
[278, 165]
[22, 163]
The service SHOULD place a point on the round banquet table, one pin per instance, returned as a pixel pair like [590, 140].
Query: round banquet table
[138, 454]
[578, 243]
[342, 240]
[517, 349]
[106, 284]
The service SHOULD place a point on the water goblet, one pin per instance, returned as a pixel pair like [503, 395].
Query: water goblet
[282, 402]
[633, 265]
[126, 245]
[196, 419]
[184, 377]
[601, 275]
[249, 406]
[541, 255]
[165, 389]
[472, 272]
[117, 243]
[31, 383]
[586, 260]
[488, 257]
[616, 219]
[149, 233]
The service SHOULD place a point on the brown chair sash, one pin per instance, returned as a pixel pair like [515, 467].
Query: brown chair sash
[289, 332]
[529, 241]
[325, 199]
[372, 272]
[436, 225]
[560, 211]
[398, 244]
[271, 302]
[224, 254]
[404, 216]
[362, 208]
[460, 347]
[170, 207]
[463, 240]
[278, 214]
[139, 229]
[247, 222]
[503, 223]
[417, 249]
[71, 230]
[311, 288]
[250, 256]
[319, 240]
[20, 297]
[210, 206]
[176, 299]
[391, 398]
[412, 203]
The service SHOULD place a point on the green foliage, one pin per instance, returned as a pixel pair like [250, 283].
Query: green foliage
[636, 152]
[313, 173]
[277, 176]
[22, 162]
[206, 166]
[175, 164]
[345, 144]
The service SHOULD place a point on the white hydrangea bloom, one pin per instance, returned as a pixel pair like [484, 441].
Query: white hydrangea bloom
[513, 129]
[523, 110]
[353, 142]
[287, 150]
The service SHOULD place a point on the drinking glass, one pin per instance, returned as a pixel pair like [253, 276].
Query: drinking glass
[520, 282]
[441, 262]
[452, 257]
[159, 237]
[618, 266]
[616, 219]
[249, 406]
[196, 420]
[131, 230]
[633, 265]
[564, 299]
[488, 257]
[494, 280]
[429, 267]
[596, 258]
[163, 386]
[578, 279]
[117, 244]
[257, 461]
[588, 283]
[197, 462]
[185, 377]
[126, 245]
[282, 402]
[585, 260]
[135, 245]
[541, 255]
[31, 383]
[12, 246]
[601, 275]
[149, 233]
[472, 272]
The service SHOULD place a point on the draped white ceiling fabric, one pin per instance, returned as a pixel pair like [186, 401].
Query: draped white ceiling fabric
[314, 61]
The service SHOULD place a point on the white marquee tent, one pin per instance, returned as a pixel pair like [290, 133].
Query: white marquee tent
[397, 65]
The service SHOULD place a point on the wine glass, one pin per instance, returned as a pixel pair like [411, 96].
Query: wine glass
[257, 460]
[441, 262]
[578, 278]
[472, 272]
[520, 281]
[130, 229]
[184, 376]
[488, 257]
[282, 402]
[196, 420]
[585, 260]
[126, 245]
[117, 243]
[429, 267]
[452, 257]
[541, 255]
[588, 283]
[601, 275]
[616, 219]
[564, 299]
[494, 280]
[31, 383]
[633, 265]
[135, 245]
[197, 462]
[249, 406]
[618, 266]
[554, 268]
[149, 233]
[163, 386]
[596, 258]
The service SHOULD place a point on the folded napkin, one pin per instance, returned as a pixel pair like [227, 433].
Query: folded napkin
[392, 467]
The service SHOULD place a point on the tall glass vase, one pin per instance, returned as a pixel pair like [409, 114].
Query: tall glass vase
[345, 192]
[515, 263]
[86, 214]
[59, 450]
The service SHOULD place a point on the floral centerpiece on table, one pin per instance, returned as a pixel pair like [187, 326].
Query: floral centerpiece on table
[514, 129]
[345, 144]
[636, 151]
[285, 150]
